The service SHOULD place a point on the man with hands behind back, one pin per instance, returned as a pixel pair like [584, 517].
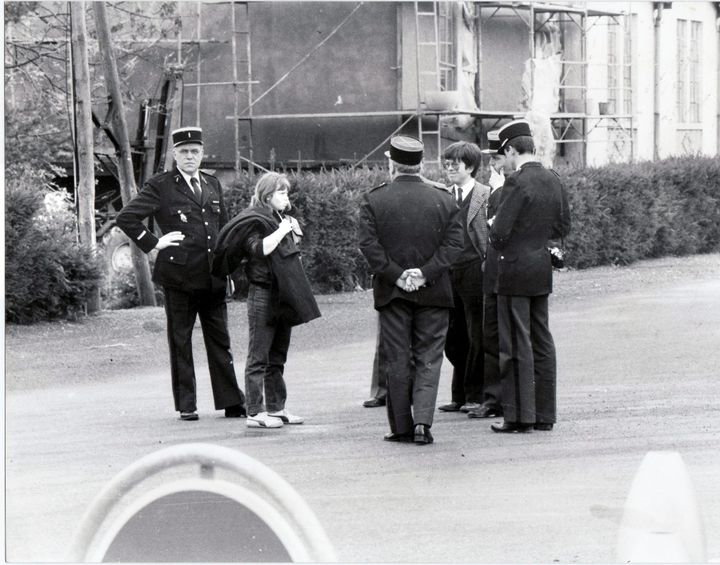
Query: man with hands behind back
[410, 233]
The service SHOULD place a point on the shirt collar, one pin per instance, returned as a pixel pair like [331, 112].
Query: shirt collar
[187, 177]
[466, 188]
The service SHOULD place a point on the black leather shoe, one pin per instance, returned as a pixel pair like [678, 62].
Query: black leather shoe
[187, 416]
[485, 412]
[512, 428]
[237, 411]
[422, 434]
[392, 436]
[374, 403]
[543, 427]
[451, 407]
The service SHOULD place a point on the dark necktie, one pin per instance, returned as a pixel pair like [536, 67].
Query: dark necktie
[458, 194]
[196, 188]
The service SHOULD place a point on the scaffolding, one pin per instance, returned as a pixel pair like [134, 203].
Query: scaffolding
[575, 119]
[573, 122]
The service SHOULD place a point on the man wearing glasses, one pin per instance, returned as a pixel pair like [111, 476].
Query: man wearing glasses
[464, 342]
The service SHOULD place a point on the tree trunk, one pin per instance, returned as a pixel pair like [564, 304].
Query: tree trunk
[85, 181]
[146, 291]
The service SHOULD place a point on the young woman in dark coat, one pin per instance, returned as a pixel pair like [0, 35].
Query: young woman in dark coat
[265, 241]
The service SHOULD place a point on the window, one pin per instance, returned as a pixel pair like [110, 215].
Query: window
[612, 72]
[630, 28]
[620, 68]
[446, 45]
[689, 37]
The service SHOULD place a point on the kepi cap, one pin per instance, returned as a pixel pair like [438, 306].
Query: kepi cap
[511, 130]
[405, 150]
[183, 136]
[493, 143]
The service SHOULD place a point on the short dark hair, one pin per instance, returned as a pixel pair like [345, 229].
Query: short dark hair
[407, 169]
[522, 144]
[468, 153]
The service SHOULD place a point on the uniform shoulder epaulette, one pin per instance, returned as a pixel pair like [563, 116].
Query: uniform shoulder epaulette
[208, 172]
[163, 176]
[436, 184]
[378, 186]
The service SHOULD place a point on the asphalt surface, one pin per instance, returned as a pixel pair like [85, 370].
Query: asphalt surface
[638, 363]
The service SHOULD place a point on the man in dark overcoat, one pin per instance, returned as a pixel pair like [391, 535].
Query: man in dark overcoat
[533, 209]
[189, 209]
[410, 233]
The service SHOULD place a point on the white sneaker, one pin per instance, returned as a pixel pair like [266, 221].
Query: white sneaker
[286, 418]
[263, 420]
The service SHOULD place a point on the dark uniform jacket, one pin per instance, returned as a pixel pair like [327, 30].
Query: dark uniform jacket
[168, 198]
[292, 299]
[533, 209]
[410, 223]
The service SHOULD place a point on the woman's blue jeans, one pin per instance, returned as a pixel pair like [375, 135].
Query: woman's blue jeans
[267, 352]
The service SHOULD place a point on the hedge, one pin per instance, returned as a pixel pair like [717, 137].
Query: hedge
[48, 274]
[621, 213]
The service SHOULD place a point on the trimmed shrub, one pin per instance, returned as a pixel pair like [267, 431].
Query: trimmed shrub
[622, 213]
[47, 274]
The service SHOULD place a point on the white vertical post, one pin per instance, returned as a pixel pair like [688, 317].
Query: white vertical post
[661, 521]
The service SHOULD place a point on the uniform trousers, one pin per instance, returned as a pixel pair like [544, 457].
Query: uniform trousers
[527, 360]
[464, 343]
[378, 385]
[411, 334]
[492, 393]
[181, 309]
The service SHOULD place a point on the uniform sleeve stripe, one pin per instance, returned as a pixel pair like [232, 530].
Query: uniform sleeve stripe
[141, 235]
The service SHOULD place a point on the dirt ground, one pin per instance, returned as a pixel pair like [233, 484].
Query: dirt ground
[638, 365]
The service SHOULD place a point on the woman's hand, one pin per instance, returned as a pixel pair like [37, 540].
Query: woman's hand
[286, 226]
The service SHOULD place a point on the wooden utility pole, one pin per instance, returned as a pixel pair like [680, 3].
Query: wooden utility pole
[146, 291]
[174, 108]
[84, 154]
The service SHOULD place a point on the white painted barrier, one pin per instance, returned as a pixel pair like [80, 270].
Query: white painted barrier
[269, 506]
[661, 521]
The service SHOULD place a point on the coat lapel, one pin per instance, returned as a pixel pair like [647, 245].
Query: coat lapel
[476, 225]
[182, 186]
[478, 201]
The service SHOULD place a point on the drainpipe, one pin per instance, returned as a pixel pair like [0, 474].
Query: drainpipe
[657, 18]
[717, 92]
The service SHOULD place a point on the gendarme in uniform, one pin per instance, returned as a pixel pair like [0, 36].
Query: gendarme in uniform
[410, 224]
[187, 205]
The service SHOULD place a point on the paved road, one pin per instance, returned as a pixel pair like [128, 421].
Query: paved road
[638, 372]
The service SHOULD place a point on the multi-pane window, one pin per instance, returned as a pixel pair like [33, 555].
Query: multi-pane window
[627, 65]
[619, 66]
[689, 37]
[694, 72]
[612, 70]
[446, 45]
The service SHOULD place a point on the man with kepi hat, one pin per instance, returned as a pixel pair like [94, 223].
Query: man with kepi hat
[533, 209]
[188, 207]
[410, 233]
